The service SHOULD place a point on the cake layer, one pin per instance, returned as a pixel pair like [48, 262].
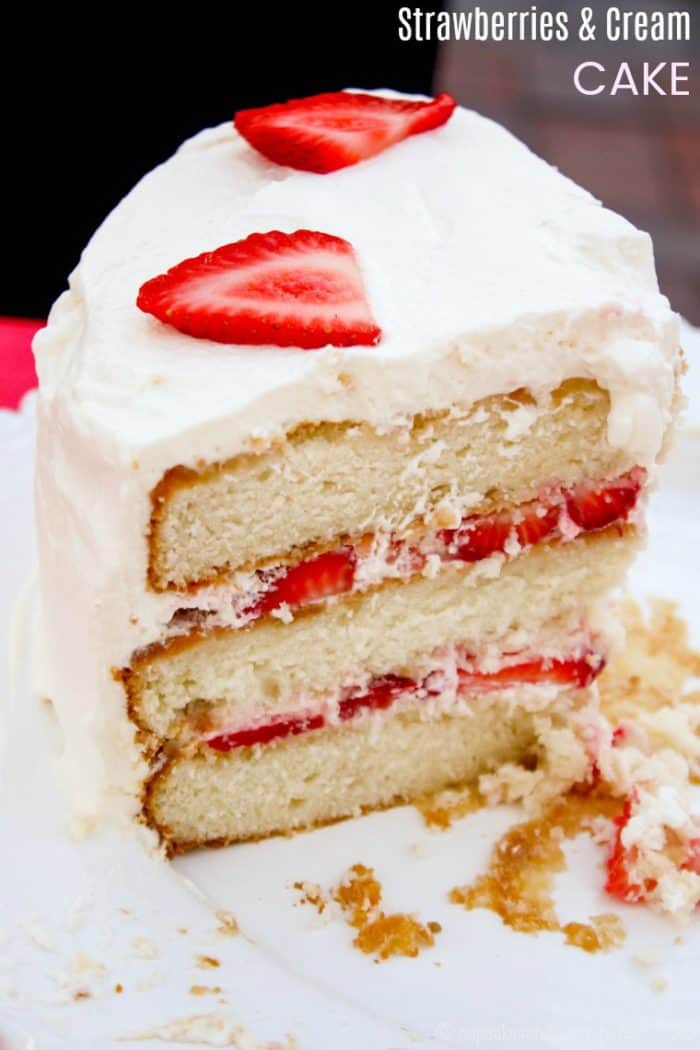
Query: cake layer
[452, 684]
[343, 480]
[558, 513]
[214, 798]
[396, 628]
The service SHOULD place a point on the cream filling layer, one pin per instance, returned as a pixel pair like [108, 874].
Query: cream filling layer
[452, 681]
[558, 512]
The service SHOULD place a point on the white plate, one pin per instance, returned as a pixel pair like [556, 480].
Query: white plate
[287, 972]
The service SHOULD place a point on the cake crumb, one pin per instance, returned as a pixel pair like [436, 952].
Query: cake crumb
[444, 807]
[397, 934]
[205, 989]
[603, 933]
[228, 923]
[659, 984]
[653, 669]
[207, 962]
[119, 988]
[519, 881]
[359, 895]
[312, 894]
[634, 762]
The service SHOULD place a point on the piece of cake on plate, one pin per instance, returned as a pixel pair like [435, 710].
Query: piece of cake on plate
[345, 427]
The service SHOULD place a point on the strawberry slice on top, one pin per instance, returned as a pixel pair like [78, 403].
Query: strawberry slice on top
[323, 133]
[301, 289]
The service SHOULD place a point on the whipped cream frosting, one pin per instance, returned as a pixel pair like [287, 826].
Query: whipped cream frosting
[486, 269]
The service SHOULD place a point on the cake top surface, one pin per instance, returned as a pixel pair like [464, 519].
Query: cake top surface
[485, 268]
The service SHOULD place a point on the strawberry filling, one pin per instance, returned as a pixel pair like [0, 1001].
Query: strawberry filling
[573, 673]
[622, 882]
[562, 512]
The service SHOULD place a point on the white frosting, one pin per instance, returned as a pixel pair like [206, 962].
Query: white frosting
[486, 269]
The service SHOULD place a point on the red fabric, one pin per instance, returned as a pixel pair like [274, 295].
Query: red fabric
[17, 373]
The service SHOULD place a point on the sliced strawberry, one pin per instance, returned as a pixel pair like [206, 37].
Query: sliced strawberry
[589, 506]
[476, 537]
[382, 692]
[311, 581]
[300, 289]
[326, 132]
[572, 672]
[265, 733]
[595, 507]
[380, 695]
[538, 521]
[619, 882]
[479, 537]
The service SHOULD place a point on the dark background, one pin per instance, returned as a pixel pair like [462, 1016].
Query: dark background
[91, 105]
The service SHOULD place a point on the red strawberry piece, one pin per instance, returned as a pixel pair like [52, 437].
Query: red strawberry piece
[477, 537]
[537, 522]
[410, 558]
[310, 581]
[383, 691]
[379, 696]
[263, 734]
[595, 507]
[326, 132]
[619, 734]
[571, 672]
[300, 289]
[620, 883]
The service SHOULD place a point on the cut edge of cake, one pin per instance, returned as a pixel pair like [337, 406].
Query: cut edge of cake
[194, 539]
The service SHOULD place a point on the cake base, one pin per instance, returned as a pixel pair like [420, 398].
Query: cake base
[323, 776]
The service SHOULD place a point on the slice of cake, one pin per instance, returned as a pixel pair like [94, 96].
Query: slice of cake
[345, 427]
